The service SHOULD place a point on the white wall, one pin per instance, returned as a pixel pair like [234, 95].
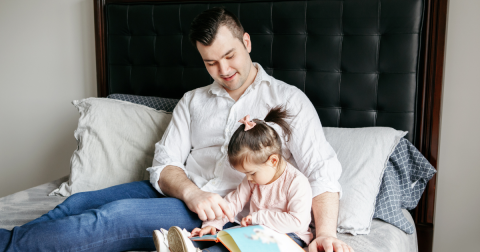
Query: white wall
[47, 59]
[457, 210]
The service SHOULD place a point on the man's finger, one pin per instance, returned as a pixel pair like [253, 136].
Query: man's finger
[218, 212]
[328, 247]
[210, 214]
[226, 210]
[213, 231]
[201, 215]
[350, 248]
[338, 246]
[313, 246]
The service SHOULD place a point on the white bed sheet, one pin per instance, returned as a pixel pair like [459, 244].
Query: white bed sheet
[21, 207]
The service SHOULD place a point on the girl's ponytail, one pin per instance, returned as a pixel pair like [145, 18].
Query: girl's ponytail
[258, 143]
[277, 115]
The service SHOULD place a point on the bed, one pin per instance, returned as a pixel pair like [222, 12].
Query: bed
[362, 63]
[22, 207]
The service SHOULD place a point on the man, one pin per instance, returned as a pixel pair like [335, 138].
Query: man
[213, 112]
[189, 163]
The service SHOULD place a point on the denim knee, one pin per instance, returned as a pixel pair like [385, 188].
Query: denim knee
[77, 201]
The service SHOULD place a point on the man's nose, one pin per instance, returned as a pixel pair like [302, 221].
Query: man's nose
[223, 68]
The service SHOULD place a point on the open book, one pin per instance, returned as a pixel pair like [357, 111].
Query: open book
[251, 239]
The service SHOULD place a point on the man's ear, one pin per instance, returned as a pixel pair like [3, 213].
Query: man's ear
[247, 42]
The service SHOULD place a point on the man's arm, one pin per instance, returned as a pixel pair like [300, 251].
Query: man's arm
[325, 213]
[209, 206]
[317, 160]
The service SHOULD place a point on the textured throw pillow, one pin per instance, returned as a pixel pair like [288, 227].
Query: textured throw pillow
[116, 143]
[405, 178]
[363, 153]
[158, 103]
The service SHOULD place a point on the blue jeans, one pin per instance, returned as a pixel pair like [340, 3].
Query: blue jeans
[118, 218]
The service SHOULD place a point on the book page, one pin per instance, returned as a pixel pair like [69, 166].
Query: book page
[258, 238]
[210, 237]
[204, 238]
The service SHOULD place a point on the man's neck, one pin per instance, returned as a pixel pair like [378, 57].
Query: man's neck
[235, 94]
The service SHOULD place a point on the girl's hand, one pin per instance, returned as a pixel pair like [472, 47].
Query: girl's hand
[246, 221]
[203, 231]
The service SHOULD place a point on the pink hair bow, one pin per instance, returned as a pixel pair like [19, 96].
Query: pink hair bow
[248, 124]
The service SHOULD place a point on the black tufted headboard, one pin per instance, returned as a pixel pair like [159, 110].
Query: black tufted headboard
[361, 62]
[357, 60]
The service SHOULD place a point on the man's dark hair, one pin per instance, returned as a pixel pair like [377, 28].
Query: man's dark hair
[205, 26]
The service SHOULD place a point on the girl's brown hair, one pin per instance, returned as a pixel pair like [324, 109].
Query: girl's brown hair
[259, 143]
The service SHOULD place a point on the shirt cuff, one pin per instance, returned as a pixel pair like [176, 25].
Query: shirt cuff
[255, 220]
[218, 224]
[155, 172]
[319, 187]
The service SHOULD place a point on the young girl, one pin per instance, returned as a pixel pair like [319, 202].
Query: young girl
[280, 196]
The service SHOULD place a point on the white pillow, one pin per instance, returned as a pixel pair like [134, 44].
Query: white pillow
[116, 143]
[363, 153]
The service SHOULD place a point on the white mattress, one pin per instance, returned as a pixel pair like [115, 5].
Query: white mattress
[21, 207]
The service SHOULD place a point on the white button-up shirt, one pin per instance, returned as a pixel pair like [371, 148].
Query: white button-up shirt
[196, 140]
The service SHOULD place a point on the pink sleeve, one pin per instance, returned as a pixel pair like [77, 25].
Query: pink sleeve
[297, 215]
[236, 201]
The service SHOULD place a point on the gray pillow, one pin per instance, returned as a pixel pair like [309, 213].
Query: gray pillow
[363, 153]
[158, 103]
[404, 180]
[116, 143]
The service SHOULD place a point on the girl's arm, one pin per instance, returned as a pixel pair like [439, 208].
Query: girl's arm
[236, 201]
[297, 217]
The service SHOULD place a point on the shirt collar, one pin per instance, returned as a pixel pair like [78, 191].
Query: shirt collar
[262, 76]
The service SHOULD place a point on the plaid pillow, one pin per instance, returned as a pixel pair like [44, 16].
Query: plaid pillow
[158, 103]
[404, 181]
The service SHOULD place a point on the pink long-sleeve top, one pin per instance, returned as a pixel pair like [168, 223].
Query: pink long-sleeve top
[283, 205]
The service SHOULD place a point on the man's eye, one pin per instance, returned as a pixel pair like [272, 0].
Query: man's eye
[211, 64]
[253, 173]
[230, 57]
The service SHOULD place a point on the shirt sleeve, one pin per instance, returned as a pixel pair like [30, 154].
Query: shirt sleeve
[314, 156]
[175, 145]
[297, 217]
[236, 200]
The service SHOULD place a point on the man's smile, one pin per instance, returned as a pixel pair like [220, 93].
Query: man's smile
[230, 78]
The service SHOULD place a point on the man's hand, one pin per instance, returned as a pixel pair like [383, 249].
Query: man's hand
[328, 244]
[208, 206]
[325, 213]
[246, 221]
[203, 231]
